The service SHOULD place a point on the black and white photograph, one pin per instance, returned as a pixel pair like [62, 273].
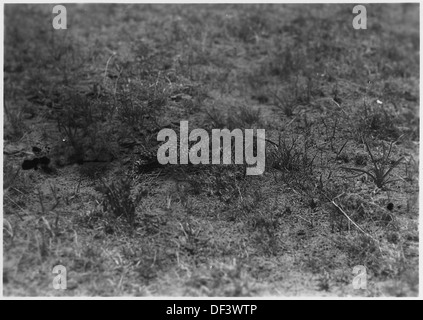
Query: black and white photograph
[211, 150]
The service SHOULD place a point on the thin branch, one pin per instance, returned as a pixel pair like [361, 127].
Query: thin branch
[356, 225]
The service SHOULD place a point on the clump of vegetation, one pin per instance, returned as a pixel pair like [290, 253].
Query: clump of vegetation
[287, 104]
[378, 120]
[137, 107]
[381, 167]
[84, 124]
[119, 201]
[293, 156]
[249, 116]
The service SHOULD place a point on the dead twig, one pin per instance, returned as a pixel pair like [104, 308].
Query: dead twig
[350, 220]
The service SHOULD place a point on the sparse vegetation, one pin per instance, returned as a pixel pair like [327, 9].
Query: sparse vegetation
[381, 167]
[91, 99]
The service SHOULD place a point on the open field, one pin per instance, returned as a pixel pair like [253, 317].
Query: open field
[82, 187]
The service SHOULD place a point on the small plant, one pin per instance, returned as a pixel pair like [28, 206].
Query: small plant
[74, 119]
[118, 199]
[289, 157]
[378, 120]
[287, 105]
[84, 125]
[131, 112]
[381, 167]
[140, 107]
[331, 131]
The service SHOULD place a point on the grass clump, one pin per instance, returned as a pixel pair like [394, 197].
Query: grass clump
[118, 200]
[381, 167]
